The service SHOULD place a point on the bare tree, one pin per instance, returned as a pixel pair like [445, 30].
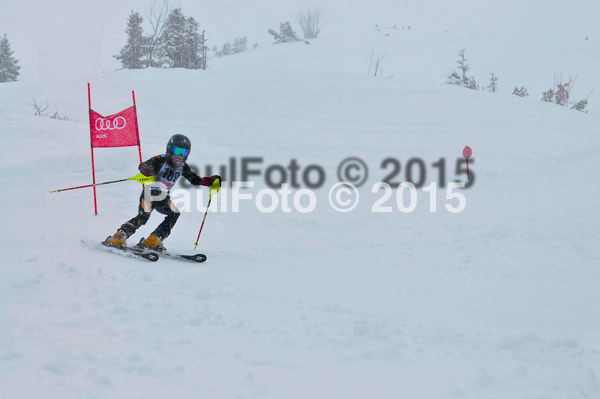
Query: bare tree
[310, 20]
[39, 109]
[157, 13]
[378, 68]
[376, 62]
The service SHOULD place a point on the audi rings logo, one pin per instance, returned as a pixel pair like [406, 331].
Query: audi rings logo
[106, 124]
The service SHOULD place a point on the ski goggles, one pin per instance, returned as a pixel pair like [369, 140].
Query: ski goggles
[184, 152]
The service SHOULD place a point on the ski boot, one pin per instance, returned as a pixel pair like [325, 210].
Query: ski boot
[152, 243]
[117, 240]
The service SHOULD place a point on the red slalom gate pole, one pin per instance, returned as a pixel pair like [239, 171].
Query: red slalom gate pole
[137, 128]
[468, 175]
[92, 145]
[467, 152]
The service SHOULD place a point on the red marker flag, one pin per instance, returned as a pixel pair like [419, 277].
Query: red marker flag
[118, 130]
[467, 152]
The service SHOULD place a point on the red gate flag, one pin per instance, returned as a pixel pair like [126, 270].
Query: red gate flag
[118, 130]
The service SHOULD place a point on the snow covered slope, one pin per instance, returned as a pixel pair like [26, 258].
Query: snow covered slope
[498, 301]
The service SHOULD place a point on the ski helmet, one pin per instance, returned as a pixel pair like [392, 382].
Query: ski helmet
[178, 149]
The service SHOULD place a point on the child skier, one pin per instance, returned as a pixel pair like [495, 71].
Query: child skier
[167, 168]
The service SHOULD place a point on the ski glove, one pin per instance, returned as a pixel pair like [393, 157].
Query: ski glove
[208, 181]
[146, 170]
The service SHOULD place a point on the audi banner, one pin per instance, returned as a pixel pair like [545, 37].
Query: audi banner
[118, 130]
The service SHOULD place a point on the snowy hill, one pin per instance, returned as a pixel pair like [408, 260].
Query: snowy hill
[497, 301]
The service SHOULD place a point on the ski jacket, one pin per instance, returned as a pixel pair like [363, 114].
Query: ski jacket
[167, 175]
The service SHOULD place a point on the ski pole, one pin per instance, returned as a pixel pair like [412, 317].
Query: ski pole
[139, 178]
[214, 188]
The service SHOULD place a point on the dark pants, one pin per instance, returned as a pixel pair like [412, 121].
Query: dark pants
[147, 205]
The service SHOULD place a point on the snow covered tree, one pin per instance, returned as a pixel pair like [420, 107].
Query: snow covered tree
[133, 54]
[472, 84]
[460, 77]
[286, 33]
[463, 67]
[521, 92]
[181, 46]
[493, 86]
[454, 79]
[173, 40]
[195, 49]
[580, 106]
[239, 45]
[9, 68]
[225, 50]
[548, 96]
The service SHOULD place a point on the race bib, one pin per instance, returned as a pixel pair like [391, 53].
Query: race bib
[167, 177]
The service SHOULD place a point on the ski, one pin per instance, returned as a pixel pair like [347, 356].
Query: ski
[198, 258]
[123, 251]
[151, 256]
